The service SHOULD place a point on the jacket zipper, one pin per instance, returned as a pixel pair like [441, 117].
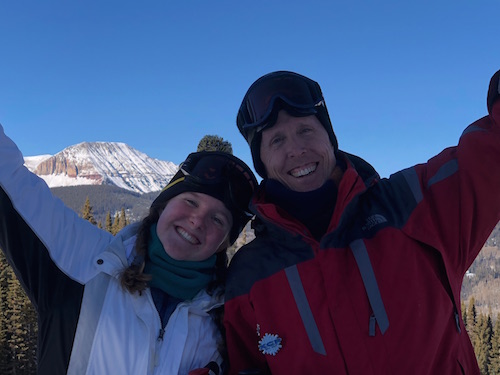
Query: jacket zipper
[160, 335]
[155, 358]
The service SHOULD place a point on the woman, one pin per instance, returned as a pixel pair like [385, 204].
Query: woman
[143, 302]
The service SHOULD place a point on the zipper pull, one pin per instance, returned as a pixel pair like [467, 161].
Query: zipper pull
[160, 335]
[155, 360]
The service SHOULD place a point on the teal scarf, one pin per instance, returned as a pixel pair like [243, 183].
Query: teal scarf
[178, 278]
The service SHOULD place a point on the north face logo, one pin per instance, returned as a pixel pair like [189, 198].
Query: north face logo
[374, 220]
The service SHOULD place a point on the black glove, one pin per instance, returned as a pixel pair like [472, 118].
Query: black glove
[494, 90]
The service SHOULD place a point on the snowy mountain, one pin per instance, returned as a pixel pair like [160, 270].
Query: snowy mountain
[103, 163]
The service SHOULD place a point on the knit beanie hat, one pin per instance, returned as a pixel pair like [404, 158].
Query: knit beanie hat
[220, 175]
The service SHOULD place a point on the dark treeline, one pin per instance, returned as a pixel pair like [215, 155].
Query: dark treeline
[106, 198]
[113, 226]
[18, 325]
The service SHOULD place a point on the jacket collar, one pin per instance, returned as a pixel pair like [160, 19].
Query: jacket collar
[357, 177]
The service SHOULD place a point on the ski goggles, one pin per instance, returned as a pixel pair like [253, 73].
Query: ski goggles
[220, 175]
[296, 93]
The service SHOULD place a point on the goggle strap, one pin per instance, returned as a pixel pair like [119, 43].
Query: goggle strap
[180, 179]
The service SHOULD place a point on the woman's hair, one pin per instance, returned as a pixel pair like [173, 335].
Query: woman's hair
[134, 280]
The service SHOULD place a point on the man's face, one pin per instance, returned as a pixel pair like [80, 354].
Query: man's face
[297, 152]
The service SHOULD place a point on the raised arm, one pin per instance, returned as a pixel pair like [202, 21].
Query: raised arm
[30, 209]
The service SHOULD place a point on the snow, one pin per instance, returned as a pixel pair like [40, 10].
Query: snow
[112, 163]
[32, 162]
[64, 180]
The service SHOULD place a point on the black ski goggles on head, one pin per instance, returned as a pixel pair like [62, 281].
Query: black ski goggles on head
[296, 93]
[220, 175]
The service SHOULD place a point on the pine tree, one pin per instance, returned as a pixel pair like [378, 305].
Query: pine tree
[23, 329]
[214, 143]
[464, 313]
[122, 221]
[108, 225]
[119, 222]
[87, 212]
[482, 343]
[6, 356]
[495, 348]
[116, 224]
[471, 318]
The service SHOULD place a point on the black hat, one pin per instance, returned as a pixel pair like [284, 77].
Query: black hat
[220, 175]
[297, 94]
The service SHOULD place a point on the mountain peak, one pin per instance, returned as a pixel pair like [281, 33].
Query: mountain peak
[103, 163]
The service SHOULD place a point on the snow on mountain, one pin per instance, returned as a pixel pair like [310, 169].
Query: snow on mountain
[103, 163]
[32, 161]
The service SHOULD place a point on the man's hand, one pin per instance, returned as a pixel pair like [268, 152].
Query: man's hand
[494, 90]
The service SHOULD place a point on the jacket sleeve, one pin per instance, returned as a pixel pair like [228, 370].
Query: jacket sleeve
[70, 240]
[457, 193]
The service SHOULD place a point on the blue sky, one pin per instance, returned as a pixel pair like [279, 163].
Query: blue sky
[401, 79]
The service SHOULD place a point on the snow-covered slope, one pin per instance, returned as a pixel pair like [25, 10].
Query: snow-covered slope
[99, 163]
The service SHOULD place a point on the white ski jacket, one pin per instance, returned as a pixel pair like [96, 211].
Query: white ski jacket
[114, 332]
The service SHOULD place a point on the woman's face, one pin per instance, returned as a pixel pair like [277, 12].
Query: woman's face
[194, 226]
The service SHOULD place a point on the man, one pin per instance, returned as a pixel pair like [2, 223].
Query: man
[350, 273]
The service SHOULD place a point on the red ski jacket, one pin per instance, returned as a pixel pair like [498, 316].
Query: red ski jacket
[380, 292]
